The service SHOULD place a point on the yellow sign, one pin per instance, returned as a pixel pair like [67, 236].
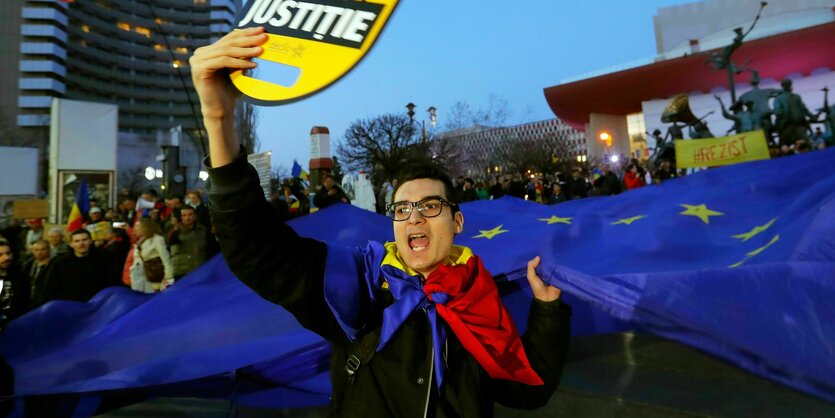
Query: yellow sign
[31, 209]
[727, 150]
[311, 45]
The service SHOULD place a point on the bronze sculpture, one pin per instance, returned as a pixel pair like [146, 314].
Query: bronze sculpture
[792, 116]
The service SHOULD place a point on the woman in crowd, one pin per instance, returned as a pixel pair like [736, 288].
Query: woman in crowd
[633, 179]
[150, 245]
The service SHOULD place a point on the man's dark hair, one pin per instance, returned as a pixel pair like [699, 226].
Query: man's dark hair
[431, 171]
[80, 231]
[152, 192]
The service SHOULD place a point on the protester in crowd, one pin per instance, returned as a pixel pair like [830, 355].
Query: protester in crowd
[468, 193]
[14, 292]
[172, 203]
[189, 242]
[405, 373]
[535, 191]
[195, 200]
[127, 210]
[81, 273]
[282, 211]
[608, 183]
[633, 179]
[115, 242]
[36, 269]
[57, 245]
[147, 201]
[149, 245]
[557, 194]
[665, 172]
[516, 186]
[481, 192]
[496, 189]
[578, 186]
[33, 232]
[110, 215]
[96, 215]
[329, 193]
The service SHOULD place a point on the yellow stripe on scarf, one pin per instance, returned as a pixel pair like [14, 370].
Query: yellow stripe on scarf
[458, 255]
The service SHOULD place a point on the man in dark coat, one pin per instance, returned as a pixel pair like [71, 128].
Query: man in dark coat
[80, 274]
[329, 193]
[14, 287]
[417, 325]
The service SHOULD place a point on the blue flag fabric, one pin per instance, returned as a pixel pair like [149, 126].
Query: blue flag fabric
[297, 169]
[737, 261]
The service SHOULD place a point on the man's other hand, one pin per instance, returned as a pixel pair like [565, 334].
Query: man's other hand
[541, 290]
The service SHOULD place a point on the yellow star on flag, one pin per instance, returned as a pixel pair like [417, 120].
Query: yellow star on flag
[490, 233]
[556, 220]
[754, 232]
[701, 212]
[628, 221]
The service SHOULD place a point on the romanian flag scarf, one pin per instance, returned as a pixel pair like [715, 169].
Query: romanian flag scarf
[462, 292]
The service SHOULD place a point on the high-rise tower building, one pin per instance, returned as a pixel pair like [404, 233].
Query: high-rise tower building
[125, 52]
[130, 53]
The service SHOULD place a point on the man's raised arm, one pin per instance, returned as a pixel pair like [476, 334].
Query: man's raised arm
[209, 72]
[263, 252]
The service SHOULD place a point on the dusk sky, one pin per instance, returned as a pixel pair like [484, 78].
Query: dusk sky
[435, 53]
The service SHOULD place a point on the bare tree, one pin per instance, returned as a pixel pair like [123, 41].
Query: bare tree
[495, 114]
[462, 116]
[278, 174]
[535, 154]
[246, 125]
[381, 145]
[131, 181]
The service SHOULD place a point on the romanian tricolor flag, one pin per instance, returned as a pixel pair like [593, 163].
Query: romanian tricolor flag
[79, 208]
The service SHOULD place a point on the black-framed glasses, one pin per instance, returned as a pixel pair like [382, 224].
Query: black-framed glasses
[428, 207]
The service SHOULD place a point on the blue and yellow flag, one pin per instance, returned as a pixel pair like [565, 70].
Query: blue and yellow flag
[298, 172]
[737, 261]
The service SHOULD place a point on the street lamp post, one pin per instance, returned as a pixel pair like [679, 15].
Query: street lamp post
[433, 119]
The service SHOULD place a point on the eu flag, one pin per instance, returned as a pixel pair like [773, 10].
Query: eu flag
[737, 261]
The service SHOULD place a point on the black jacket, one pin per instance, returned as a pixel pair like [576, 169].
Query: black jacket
[14, 295]
[80, 278]
[282, 267]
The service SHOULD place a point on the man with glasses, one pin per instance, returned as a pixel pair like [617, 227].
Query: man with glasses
[417, 325]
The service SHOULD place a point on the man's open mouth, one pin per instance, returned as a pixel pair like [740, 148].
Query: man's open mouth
[418, 241]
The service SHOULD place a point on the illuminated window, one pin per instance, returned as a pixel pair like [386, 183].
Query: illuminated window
[124, 26]
[143, 31]
[199, 1]
[85, 28]
[160, 21]
[159, 47]
[177, 64]
[181, 50]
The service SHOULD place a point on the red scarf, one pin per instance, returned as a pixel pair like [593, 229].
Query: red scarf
[476, 314]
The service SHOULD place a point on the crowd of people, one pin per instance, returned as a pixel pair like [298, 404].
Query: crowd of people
[145, 243]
